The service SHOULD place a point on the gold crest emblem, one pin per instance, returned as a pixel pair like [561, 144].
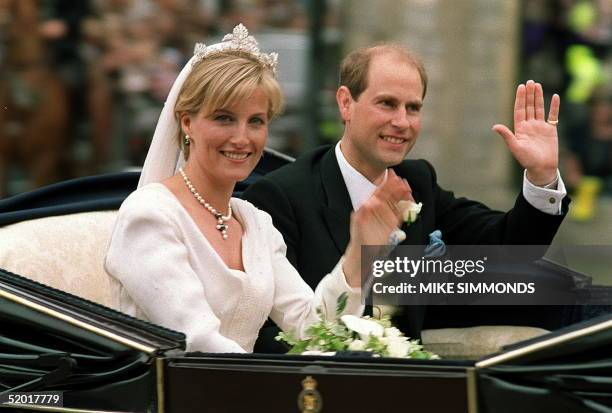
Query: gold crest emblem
[309, 399]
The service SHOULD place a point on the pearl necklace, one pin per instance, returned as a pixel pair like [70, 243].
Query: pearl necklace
[221, 219]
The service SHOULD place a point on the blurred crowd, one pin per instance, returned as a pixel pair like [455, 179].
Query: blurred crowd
[567, 43]
[83, 82]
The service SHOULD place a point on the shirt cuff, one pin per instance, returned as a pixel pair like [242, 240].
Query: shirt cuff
[339, 274]
[547, 198]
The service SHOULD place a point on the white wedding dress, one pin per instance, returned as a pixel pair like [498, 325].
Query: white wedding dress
[170, 275]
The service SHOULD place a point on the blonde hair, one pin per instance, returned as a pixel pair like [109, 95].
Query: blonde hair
[222, 80]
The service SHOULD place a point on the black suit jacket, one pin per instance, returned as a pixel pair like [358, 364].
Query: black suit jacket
[310, 205]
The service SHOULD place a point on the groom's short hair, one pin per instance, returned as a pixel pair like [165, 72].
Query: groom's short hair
[354, 69]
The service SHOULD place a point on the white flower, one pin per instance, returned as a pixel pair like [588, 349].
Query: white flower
[317, 353]
[398, 347]
[357, 345]
[410, 210]
[392, 332]
[364, 327]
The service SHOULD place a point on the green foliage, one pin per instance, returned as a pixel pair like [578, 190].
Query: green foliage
[341, 304]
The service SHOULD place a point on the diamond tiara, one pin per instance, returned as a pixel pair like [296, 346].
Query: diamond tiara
[239, 40]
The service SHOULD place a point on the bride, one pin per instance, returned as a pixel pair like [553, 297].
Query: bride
[190, 257]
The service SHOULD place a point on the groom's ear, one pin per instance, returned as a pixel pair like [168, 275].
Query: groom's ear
[344, 100]
[185, 122]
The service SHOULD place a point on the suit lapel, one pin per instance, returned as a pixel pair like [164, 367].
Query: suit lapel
[337, 206]
[414, 231]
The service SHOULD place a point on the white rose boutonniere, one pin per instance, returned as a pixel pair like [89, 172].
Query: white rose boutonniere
[351, 333]
[410, 210]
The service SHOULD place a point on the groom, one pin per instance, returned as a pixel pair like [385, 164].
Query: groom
[380, 99]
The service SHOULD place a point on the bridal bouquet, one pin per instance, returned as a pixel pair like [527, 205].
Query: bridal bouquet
[351, 333]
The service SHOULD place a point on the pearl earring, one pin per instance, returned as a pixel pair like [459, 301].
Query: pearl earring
[186, 141]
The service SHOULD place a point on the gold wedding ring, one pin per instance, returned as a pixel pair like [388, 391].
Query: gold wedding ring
[552, 122]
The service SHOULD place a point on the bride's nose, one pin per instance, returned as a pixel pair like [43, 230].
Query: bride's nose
[240, 136]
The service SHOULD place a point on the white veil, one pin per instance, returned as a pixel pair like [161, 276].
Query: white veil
[164, 157]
